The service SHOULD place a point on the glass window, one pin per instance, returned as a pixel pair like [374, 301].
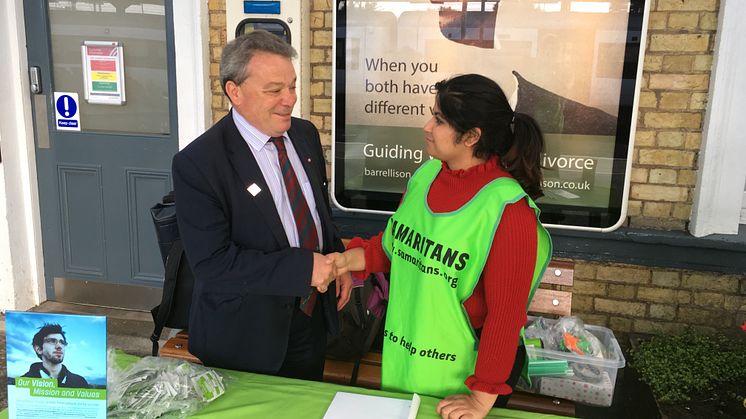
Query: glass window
[140, 27]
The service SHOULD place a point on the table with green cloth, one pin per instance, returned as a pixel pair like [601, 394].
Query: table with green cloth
[251, 395]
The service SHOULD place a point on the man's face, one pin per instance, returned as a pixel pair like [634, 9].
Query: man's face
[53, 348]
[266, 98]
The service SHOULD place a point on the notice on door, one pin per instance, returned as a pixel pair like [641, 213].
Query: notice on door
[67, 117]
[103, 72]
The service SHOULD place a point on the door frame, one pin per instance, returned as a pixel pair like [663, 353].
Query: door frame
[21, 255]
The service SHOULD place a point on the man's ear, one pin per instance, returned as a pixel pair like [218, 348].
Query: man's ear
[471, 137]
[233, 91]
[38, 350]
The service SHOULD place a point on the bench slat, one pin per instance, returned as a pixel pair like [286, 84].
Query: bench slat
[559, 273]
[176, 347]
[340, 372]
[372, 358]
[554, 302]
[541, 404]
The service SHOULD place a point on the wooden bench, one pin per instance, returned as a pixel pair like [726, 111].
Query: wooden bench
[176, 347]
[553, 298]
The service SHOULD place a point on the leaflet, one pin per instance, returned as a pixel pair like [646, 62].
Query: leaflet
[56, 365]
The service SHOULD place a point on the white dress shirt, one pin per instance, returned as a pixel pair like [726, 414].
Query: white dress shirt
[265, 154]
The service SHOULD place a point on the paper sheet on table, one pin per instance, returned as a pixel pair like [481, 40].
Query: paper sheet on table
[359, 406]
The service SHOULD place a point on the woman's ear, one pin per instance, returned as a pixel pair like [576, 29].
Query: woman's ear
[471, 137]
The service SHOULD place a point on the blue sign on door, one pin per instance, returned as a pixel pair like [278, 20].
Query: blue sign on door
[66, 106]
[66, 109]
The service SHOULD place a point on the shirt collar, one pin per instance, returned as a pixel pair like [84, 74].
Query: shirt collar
[61, 376]
[253, 137]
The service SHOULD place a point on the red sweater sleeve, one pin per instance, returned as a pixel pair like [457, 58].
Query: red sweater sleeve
[504, 289]
[376, 259]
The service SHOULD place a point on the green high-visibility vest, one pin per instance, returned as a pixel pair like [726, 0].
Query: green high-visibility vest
[436, 260]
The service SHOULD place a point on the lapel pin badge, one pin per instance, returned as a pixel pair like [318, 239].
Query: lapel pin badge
[309, 160]
[254, 189]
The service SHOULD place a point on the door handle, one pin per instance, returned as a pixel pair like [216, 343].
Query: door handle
[35, 79]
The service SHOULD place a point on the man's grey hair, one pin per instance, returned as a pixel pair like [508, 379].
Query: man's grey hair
[238, 52]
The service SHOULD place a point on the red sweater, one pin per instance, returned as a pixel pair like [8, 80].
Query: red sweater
[498, 304]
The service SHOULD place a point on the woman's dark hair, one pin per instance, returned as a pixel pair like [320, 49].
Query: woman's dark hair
[473, 101]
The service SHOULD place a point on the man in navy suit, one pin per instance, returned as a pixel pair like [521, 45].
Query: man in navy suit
[253, 272]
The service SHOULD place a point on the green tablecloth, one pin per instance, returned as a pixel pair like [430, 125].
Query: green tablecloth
[262, 396]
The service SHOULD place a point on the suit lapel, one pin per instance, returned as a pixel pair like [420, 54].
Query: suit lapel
[248, 170]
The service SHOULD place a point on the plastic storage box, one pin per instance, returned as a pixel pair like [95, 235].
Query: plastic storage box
[584, 379]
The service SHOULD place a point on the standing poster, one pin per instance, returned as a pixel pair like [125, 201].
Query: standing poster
[573, 65]
[56, 365]
[103, 72]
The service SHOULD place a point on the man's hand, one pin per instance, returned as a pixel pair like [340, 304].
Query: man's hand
[324, 272]
[340, 261]
[466, 406]
[344, 289]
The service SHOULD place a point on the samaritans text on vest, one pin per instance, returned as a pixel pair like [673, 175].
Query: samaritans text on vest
[407, 236]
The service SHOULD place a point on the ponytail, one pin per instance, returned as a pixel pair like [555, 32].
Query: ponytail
[474, 101]
[523, 159]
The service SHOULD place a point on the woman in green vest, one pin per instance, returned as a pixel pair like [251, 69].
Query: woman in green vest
[465, 250]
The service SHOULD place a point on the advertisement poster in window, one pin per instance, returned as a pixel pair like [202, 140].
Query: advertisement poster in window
[571, 64]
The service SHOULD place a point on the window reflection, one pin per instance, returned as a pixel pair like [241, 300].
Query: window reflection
[108, 7]
[140, 27]
[590, 6]
[469, 22]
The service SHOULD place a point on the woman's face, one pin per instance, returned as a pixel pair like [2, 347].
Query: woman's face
[441, 140]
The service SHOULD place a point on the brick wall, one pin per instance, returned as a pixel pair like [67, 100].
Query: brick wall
[218, 38]
[673, 98]
[629, 298]
[319, 65]
[321, 73]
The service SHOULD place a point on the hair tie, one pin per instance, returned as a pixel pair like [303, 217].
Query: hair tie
[512, 123]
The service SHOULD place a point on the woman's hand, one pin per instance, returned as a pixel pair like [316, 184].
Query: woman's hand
[344, 289]
[351, 260]
[466, 406]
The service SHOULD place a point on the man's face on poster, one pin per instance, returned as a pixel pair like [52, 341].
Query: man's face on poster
[53, 348]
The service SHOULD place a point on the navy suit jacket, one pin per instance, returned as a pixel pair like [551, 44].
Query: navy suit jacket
[247, 277]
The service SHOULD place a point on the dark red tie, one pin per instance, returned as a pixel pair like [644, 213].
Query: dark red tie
[307, 237]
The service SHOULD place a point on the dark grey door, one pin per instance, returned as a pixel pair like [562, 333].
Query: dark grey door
[96, 185]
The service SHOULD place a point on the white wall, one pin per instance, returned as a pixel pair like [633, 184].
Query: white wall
[191, 41]
[21, 269]
[6, 271]
[718, 198]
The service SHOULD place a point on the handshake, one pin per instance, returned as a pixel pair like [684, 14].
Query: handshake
[327, 268]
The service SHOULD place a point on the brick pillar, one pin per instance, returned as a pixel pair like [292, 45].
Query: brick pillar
[673, 98]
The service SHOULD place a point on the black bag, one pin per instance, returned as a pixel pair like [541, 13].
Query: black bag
[178, 282]
[359, 326]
